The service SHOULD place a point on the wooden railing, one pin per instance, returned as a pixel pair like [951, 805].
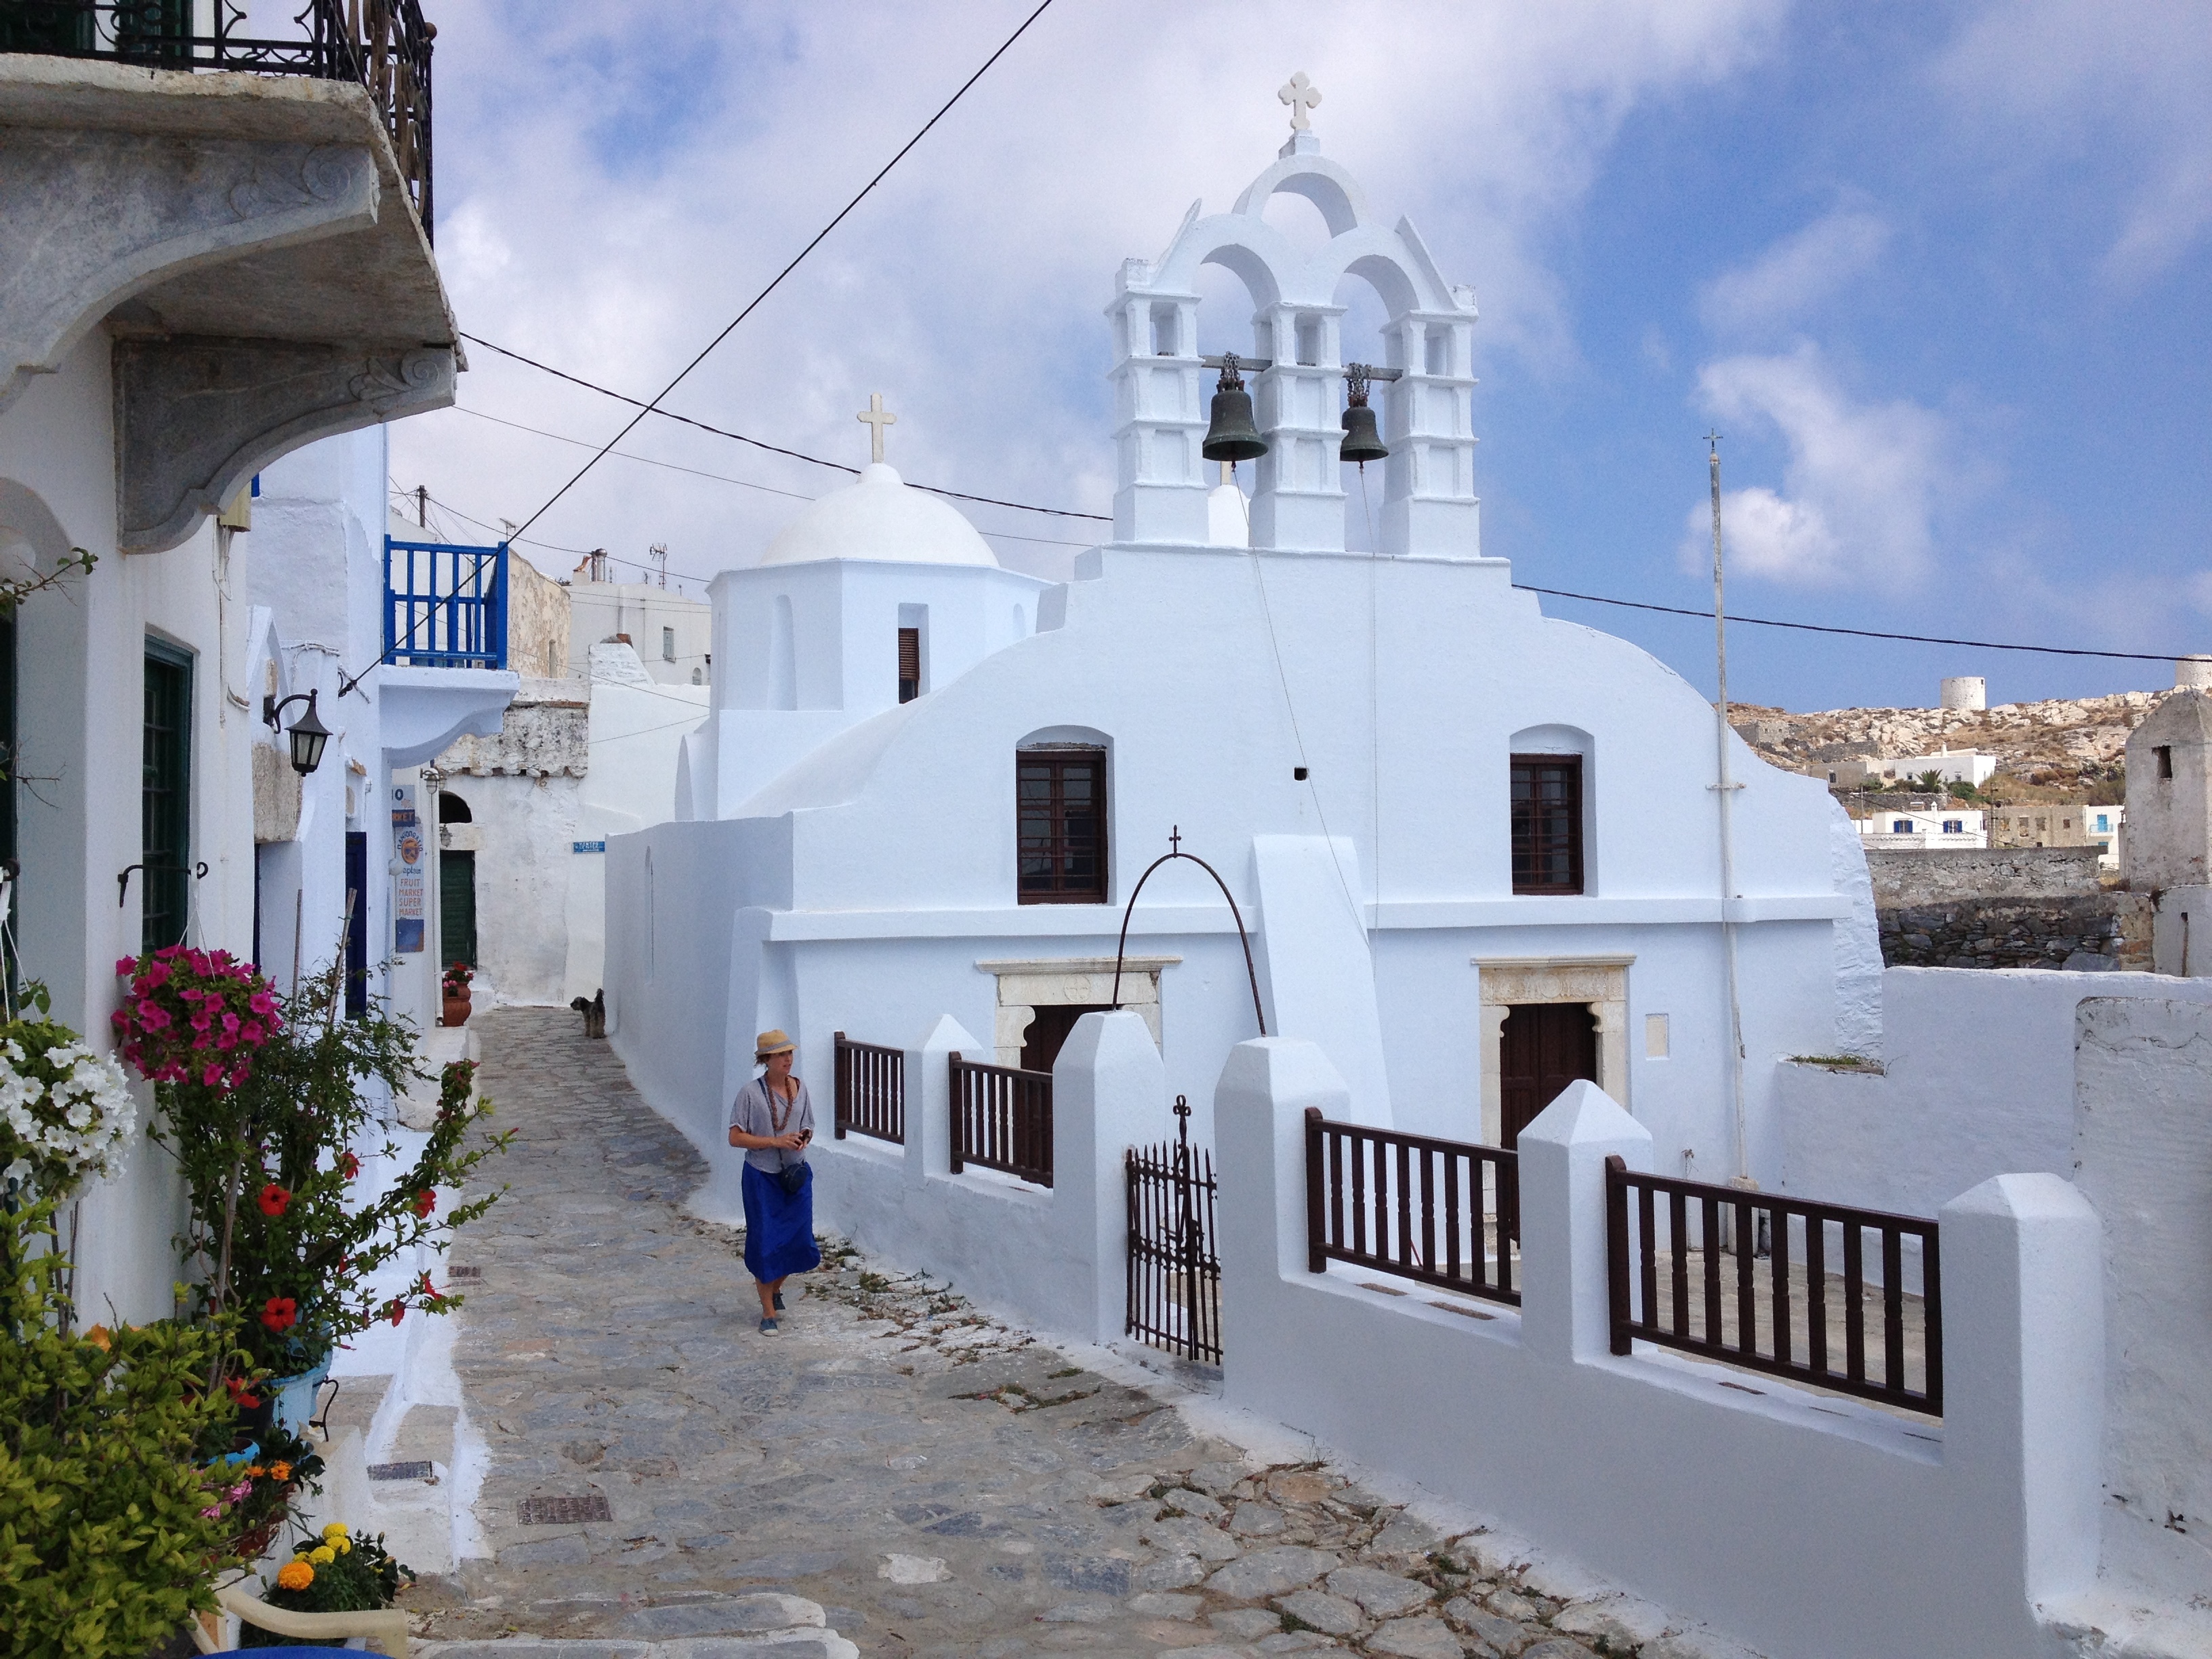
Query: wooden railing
[1002, 1120]
[871, 1090]
[1444, 1212]
[1684, 1272]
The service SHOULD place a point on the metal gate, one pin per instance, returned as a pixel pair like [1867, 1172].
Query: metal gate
[1174, 1274]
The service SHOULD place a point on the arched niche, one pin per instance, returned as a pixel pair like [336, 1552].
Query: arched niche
[33, 543]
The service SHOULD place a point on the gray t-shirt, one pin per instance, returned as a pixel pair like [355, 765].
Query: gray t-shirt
[756, 1114]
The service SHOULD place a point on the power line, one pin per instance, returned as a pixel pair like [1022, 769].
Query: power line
[773, 449]
[777, 281]
[1859, 633]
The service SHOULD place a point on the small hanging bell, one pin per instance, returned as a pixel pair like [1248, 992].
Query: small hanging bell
[1231, 436]
[1362, 442]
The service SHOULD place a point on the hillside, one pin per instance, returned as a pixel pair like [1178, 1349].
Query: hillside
[2071, 746]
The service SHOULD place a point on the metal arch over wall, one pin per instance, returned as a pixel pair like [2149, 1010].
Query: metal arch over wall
[1121, 948]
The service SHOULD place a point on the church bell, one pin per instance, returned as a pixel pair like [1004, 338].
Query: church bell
[1362, 442]
[1231, 436]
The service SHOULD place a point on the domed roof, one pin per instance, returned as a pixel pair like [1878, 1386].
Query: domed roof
[881, 516]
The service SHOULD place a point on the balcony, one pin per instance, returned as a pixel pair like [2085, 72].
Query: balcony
[383, 45]
[445, 606]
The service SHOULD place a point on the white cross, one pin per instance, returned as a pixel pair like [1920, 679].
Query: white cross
[1301, 94]
[878, 418]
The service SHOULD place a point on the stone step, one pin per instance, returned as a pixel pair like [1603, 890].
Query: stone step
[765, 1625]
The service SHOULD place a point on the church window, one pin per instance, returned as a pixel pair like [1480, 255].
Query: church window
[1547, 824]
[668, 644]
[1061, 825]
[2164, 755]
[909, 664]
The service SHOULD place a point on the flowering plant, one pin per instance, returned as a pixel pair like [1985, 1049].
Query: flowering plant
[191, 1016]
[292, 1233]
[457, 979]
[65, 1112]
[332, 1571]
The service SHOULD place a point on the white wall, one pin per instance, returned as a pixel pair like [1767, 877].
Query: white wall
[1977, 1079]
[1808, 1526]
[597, 611]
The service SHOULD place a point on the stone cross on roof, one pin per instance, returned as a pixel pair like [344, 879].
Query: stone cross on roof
[878, 418]
[1301, 94]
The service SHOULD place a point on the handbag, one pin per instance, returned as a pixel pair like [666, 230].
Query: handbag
[795, 1178]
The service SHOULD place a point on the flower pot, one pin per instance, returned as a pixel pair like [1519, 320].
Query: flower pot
[294, 1397]
[456, 1010]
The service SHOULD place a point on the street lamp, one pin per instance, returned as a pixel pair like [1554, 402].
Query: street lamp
[308, 734]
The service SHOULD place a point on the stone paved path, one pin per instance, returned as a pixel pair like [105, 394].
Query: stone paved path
[941, 1485]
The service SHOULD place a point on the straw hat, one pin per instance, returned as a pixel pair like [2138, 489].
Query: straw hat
[772, 1042]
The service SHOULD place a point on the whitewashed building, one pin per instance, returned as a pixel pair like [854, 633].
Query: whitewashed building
[1917, 827]
[1477, 848]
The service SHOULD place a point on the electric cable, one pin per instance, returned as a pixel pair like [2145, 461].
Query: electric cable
[777, 281]
[757, 443]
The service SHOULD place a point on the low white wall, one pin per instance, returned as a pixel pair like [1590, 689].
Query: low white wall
[2143, 1144]
[1977, 1079]
[1806, 1525]
[1051, 1255]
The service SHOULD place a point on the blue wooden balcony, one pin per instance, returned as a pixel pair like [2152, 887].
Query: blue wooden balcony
[445, 606]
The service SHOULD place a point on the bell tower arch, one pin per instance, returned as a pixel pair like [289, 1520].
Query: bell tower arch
[1162, 385]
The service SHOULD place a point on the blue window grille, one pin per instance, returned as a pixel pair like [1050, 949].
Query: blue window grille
[445, 606]
[1901, 826]
[1954, 826]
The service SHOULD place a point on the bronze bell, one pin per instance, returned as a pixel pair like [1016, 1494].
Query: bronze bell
[1231, 436]
[1362, 442]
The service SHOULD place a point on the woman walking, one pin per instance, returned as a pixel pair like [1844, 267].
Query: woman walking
[773, 1120]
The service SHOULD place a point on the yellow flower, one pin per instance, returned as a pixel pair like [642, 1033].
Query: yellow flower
[343, 1545]
[295, 1576]
[98, 1338]
[335, 1531]
[323, 1556]
[280, 1472]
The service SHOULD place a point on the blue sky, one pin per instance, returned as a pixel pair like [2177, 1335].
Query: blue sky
[1938, 273]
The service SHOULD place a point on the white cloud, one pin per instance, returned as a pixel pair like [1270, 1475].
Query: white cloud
[1795, 275]
[614, 182]
[1861, 488]
[2085, 83]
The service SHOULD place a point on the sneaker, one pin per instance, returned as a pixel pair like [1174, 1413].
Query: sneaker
[779, 1301]
[767, 1327]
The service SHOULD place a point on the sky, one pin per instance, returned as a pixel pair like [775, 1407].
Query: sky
[1939, 274]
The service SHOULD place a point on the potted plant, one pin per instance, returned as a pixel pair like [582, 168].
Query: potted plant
[330, 1573]
[455, 989]
[289, 1236]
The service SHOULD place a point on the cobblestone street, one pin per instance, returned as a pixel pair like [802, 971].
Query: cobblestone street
[935, 1483]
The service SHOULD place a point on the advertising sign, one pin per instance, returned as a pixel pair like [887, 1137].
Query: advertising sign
[410, 856]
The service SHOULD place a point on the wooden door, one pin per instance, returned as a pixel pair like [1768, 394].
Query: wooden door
[1048, 1033]
[1544, 1047]
[457, 909]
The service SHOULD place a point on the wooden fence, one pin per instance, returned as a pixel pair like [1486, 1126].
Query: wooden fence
[871, 1090]
[1002, 1120]
[1444, 1212]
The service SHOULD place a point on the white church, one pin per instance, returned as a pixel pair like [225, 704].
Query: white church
[1477, 849]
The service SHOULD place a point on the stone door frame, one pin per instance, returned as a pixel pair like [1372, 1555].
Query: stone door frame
[1506, 982]
[1027, 984]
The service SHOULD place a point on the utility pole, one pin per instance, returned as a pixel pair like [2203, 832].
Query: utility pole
[1726, 788]
[421, 507]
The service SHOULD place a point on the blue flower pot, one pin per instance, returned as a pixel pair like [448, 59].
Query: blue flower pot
[294, 1397]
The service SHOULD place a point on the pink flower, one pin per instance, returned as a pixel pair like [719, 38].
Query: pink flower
[212, 1512]
[211, 1076]
[230, 1024]
[124, 965]
[251, 1031]
[151, 1015]
[262, 1003]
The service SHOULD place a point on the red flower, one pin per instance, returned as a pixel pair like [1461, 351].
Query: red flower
[349, 1165]
[428, 1289]
[425, 1201]
[399, 1310]
[274, 1200]
[240, 1395]
[280, 1313]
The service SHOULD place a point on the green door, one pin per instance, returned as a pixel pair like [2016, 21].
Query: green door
[166, 798]
[457, 909]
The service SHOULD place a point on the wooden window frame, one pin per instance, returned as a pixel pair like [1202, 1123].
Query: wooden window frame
[1525, 844]
[1061, 758]
[909, 664]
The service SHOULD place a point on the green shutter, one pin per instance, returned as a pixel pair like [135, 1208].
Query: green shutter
[166, 798]
[457, 909]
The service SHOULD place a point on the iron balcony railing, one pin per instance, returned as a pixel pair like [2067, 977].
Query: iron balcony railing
[382, 44]
[445, 606]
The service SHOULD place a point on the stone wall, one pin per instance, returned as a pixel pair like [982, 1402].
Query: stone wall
[2101, 930]
[1948, 875]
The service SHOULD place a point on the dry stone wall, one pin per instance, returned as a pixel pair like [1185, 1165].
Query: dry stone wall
[2005, 907]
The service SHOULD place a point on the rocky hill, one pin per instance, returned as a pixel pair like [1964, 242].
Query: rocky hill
[2072, 747]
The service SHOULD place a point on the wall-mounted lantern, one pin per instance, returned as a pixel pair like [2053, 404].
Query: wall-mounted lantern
[308, 734]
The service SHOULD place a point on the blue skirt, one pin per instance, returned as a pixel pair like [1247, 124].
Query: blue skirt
[778, 1229]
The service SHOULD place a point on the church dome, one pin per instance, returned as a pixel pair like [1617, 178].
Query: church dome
[881, 516]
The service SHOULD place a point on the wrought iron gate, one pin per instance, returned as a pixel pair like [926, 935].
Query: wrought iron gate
[1174, 1274]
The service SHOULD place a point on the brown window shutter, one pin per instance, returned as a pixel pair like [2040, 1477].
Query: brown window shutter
[909, 672]
[1060, 805]
[1547, 824]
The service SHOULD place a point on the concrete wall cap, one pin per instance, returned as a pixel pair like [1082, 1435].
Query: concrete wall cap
[1582, 1113]
[2038, 1196]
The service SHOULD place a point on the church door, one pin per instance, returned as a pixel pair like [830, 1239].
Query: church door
[1544, 1047]
[457, 909]
[1048, 1032]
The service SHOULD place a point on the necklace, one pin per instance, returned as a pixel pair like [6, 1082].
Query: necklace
[777, 1120]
